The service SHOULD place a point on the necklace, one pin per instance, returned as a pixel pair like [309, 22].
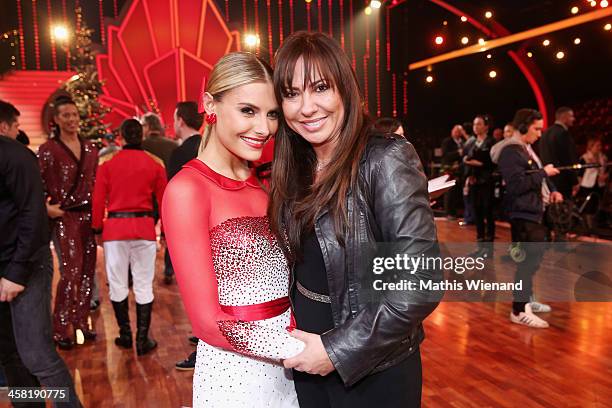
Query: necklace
[321, 165]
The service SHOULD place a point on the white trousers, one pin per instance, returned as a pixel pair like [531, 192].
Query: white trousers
[140, 256]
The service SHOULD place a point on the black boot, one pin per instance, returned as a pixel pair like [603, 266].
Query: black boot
[143, 343]
[123, 321]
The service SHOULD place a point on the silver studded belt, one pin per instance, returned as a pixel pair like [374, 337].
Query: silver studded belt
[317, 297]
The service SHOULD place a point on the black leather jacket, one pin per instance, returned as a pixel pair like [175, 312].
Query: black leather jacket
[391, 205]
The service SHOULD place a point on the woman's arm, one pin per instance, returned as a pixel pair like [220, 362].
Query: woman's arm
[185, 214]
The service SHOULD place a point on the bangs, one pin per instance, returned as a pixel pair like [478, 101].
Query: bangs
[318, 64]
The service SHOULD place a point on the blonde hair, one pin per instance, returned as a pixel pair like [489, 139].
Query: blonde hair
[232, 71]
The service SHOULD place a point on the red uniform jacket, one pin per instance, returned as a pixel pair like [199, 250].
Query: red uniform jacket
[127, 181]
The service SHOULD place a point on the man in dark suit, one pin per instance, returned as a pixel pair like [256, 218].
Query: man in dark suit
[557, 147]
[187, 122]
[452, 153]
[27, 353]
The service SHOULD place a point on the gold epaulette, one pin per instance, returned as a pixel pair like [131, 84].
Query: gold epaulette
[107, 157]
[157, 159]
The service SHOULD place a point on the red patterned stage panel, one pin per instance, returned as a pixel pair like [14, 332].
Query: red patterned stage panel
[160, 54]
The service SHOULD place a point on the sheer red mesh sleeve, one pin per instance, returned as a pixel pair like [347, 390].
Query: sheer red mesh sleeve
[191, 207]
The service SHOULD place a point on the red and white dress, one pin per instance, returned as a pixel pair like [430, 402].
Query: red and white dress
[234, 281]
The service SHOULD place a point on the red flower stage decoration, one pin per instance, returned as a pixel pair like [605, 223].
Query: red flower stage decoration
[159, 55]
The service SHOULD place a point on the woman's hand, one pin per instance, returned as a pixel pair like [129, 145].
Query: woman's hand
[54, 210]
[314, 358]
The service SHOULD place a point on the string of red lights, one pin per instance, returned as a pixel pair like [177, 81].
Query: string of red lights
[256, 7]
[394, 94]
[319, 15]
[329, 17]
[36, 38]
[342, 24]
[21, 35]
[280, 21]
[52, 37]
[291, 18]
[377, 49]
[244, 17]
[270, 45]
[65, 15]
[102, 31]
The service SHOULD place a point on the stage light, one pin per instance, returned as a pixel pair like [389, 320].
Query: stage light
[368, 10]
[307, 1]
[492, 74]
[439, 40]
[481, 41]
[489, 56]
[465, 40]
[560, 55]
[608, 27]
[530, 54]
[604, 4]
[429, 79]
[488, 14]
[575, 10]
[445, 23]
[546, 43]
[577, 41]
[593, 3]
[375, 4]
[60, 33]
[251, 40]
[463, 19]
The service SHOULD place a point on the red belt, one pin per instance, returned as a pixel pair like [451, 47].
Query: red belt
[260, 311]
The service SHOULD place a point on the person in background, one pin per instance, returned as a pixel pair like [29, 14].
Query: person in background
[593, 181]
[187, 124]
[498, 134]
[126, 182]
[468, 205]
[389, 125]
[154, 139]
[68, 165]
[452, 152]
[28, 357]
[530, 191]
[480, 179]
[508, 131]
[557, 147]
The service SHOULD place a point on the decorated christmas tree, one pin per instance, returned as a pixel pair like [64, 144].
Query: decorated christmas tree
[85, 87]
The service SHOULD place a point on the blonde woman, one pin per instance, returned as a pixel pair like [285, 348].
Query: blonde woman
[232, 274]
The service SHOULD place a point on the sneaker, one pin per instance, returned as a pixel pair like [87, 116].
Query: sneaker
[527, 318]
[194, 340]
[188, 364]
[537, 307]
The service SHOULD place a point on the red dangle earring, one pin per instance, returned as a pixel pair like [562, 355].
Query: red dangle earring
[211, 119]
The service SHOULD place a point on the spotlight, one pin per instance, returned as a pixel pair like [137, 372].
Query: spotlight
[463, 19]
[530, 54]
[439, 40]
[560, 55]
[593, 3]
[60, 33]
[375, 4]
[608, 27]
[481, 41]
[445, 23]
[489, 56]
[307, 1]
[488, 14]
[604, 3]
[368, 10]
[546, 43]
[575, 10]
[577, 41]
[465, 40]
[251, 40]
[492, 74]
[429, 79]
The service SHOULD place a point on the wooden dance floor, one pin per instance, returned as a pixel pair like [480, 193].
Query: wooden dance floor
[472, 356]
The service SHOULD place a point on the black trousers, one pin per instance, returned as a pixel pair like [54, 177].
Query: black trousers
[396, 387]
[482, 197]
[27, 352]
[525, 231]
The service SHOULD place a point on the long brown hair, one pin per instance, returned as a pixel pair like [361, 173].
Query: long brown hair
[295, 198]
